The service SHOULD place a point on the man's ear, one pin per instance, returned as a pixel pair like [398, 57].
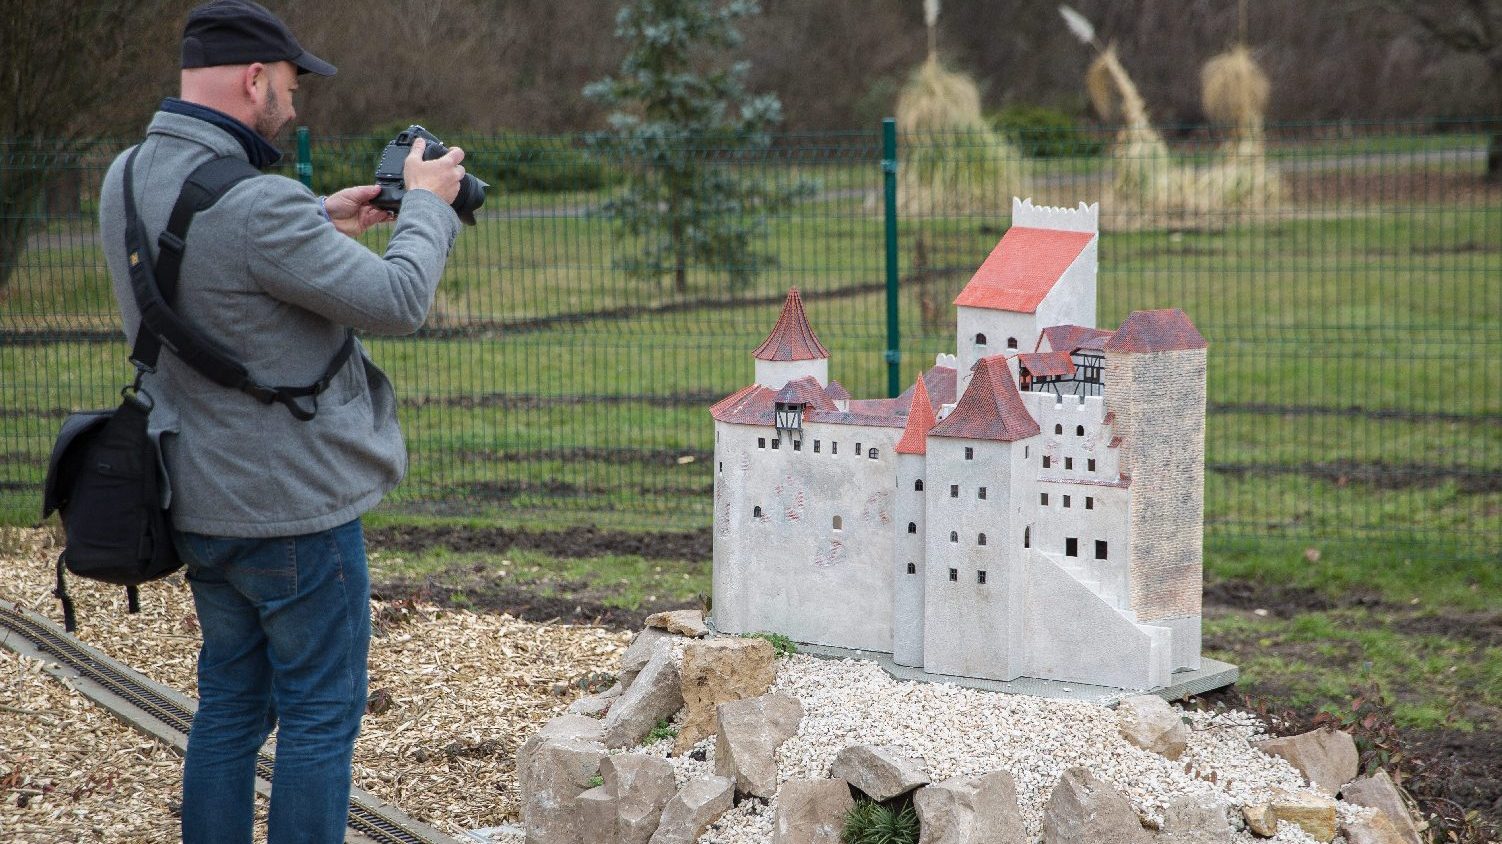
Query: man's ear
[255, 82]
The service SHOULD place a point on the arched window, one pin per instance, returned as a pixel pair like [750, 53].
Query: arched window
[954, 536]
[1058, 429]
[756, 512]
[912, 527]
[839, 524]
[1027, 537]
[980, 540]
[980, 339]
[1079, 430]
[918, 485]
[1011, 342]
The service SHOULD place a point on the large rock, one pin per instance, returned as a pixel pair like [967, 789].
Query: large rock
[595, 817]
[641, 786]
[1083, 808]
[1260, 820]
[683, 622]
[1148, 722]
[1379, 792]
[1313, 813]
[693, 809]
[653, 696]
[717, 671]
[750, 731]
[1195, 819]
[881, 773]
[554, 767]
[1376, 829]
[595, 705]
[1327, 758]
[970, 810]
[812, 812]
[639, 653]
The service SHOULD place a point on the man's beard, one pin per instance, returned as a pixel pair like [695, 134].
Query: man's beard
[272, 119]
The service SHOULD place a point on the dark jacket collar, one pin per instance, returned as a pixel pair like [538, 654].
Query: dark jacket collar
[258, 151]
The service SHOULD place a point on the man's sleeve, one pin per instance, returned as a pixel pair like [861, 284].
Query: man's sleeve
[298, 257]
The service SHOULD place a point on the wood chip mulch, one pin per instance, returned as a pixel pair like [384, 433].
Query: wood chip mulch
[453, 695]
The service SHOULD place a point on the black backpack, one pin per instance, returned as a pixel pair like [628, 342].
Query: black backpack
[105, 475]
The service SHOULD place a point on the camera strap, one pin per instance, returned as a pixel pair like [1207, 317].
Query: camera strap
[154, 284]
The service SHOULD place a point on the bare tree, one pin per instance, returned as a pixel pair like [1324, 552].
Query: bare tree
[1472, 27]
[71, 73]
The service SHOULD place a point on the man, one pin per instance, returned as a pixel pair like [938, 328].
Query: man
[267, 507]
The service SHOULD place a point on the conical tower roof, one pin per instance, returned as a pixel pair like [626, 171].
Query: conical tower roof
[920, 419]
[792, 338]
[991, 408]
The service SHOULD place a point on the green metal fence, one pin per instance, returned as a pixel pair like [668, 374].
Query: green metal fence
[1348, 278]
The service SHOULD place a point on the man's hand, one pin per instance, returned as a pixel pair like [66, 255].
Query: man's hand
[441, 175]
[351, 211]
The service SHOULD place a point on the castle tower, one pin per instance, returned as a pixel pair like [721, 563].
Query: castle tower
[911, 524]
[1042, 273]
[792, 350]
[1155, 386]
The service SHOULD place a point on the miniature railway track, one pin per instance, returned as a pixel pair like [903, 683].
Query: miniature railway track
[375, 824]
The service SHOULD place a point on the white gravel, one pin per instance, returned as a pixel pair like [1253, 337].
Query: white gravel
[968, 732]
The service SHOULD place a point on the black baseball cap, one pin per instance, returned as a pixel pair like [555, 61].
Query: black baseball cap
[241, 32]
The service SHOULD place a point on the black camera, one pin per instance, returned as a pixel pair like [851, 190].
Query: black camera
[394, 187]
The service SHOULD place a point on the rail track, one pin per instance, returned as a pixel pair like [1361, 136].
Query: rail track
[167, 716]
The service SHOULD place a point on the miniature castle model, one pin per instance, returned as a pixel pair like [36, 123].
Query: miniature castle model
[1031, 507]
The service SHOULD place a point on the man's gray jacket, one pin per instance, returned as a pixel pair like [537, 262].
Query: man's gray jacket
[269, 277]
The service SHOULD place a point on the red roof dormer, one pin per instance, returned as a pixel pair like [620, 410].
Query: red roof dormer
[792, 338]
[990, 409]
[920, 420]
[1023, 268]
[1166, 330]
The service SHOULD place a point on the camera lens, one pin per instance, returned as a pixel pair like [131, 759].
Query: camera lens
[471, 196]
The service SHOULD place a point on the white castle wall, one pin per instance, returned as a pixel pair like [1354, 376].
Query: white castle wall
[999, 327]
[1082, 218]
[775, 374]
[911, 532]
[793, 569]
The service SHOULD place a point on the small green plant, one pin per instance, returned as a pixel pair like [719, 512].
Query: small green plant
[784, 646]
[1041, 132]
[663, 730]
[596, 781]
[881, 823]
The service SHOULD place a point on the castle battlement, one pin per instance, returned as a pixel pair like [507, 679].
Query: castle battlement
[1085, 218]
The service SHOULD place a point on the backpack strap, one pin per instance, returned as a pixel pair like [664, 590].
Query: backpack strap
[155, 283]
[60, 592]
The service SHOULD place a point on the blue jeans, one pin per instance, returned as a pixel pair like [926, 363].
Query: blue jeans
[286, 631]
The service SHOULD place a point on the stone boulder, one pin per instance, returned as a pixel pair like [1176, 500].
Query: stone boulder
[1083, 808]
[1313, 813]
[639, 653]
[1195, 819]
[1148, 722]
[627, 807]
[750, 731]
[1376, 829]
[554, 767]
[654, 695]
[693, 809]
[1379, 792]
[970, 810]
[880, 773]
[812, 812]
[683, 622]
[717, 671]
[1260, 820]
[1326, 757]
[595, 705]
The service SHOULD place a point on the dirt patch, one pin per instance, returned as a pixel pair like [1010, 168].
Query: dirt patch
[481, 592]
[694, 545]
[1283, 601]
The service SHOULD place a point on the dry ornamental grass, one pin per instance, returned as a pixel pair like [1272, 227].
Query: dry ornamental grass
[453, 695]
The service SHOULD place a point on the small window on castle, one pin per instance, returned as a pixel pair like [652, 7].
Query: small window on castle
[980, 540]
[918, 485]
[912, 527]
[1058, 429]
[1043, 498]
[1100, 549]
[1079, 430]
[834, 447]
[873, 453]
[954, 536]
[776, 443]
[969, 453]
[1027, 537]
[756, 512]
[954, 575]
[1011, 342]
[1089, 502]
[980, 577]
[797, 445]
[981, 493]
[912, 568]
[1027, 451]
[857, 449]
[816, 446]
[839, 523]
[954, 490]
[1047, 461]
[722, 466]
[761, 442]
[1066, 501]
[1090, 464]
[1071, 547]
[980, 339]
[1069, 463]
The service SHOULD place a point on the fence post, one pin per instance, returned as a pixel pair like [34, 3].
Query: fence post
[889, 178]
[304, 157]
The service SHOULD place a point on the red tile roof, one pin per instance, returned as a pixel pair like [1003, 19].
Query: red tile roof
[751, 405]
[837, 391]
[1166, 330]
[990, 409]
[920, 419]
[1047, 364]
[1023, 267]
[792, 338]
[1067, 338]
[805, 391]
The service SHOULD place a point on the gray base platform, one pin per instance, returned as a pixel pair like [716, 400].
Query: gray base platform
[1212, 674]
